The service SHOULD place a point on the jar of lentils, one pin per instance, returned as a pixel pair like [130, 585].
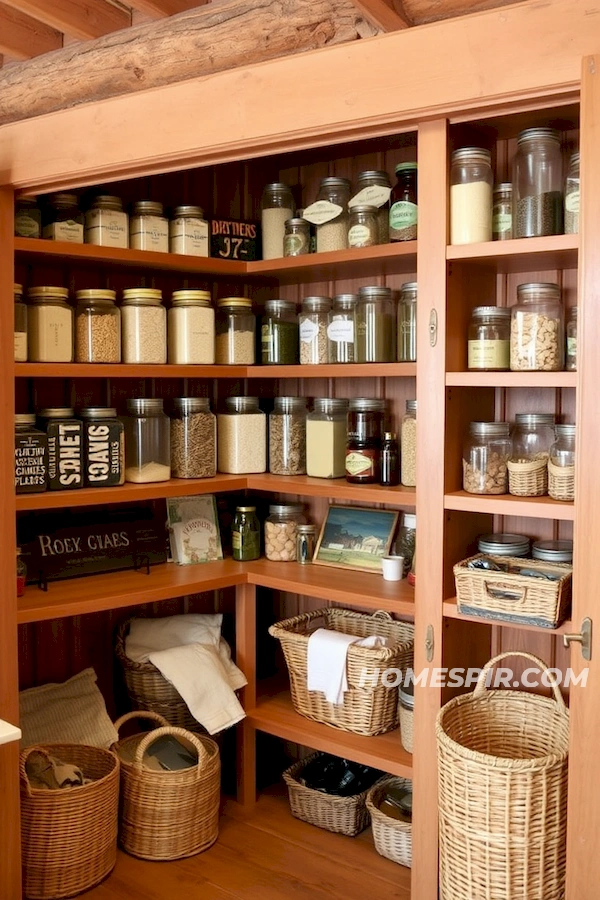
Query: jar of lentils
[375, 325]
[313, 321]
[236, 332]
[287, 436]
[279, 334]
[144, 321]
[191, 328]
[148, 227]
[340, 330]
[242, 437]
[538, 183]
[193, 438]
[97, 327]
[486, 454]
[489, 339]
[537, 334]
[281, 531]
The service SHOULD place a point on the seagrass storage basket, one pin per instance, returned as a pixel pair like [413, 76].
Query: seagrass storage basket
[370, 706]
[528, 478]
[167, 815]
[344, 815]
[521, 599]
[502, 770]
[392, 837]
[69, 837]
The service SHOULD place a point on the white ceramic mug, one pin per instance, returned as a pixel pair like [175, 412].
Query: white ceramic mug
[392, 567]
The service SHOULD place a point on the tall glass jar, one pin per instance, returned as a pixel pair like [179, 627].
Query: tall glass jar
[97, 327]
[408, 445]
[471, 181]
[374, 325]
[571, 330]
[50, 325]
[572, 194]
[561, 464]
[106, 223]
[28, 218]
[407, 322]
[332, 222]
[313, 321]
[64, 434]
[147, 442]
[538, 183]
[296, 240]
[281, 531]
[236, 332]
[242, 437]
[485, 457]
[148, 227]
[103, 447]
[144, 320]
[403, 220]
[537, 335]
[374, 188]
[363, 227]
[287, 436]
[280, 334]
[31, 455]
[489, 339]
[63, 220]
[533, 434]
[326, 430]
[191, 328]
[20, 325]
[502, 212]
[363, 448]
[188, 231]
[277, 206]
[245, 534]
[193, 438]
[340, 330]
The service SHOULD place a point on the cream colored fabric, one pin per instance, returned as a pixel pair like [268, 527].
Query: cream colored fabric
[148, 635]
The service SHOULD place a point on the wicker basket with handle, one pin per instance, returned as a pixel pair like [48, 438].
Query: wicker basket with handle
[370, 706]
[392, 837]
[502, 770]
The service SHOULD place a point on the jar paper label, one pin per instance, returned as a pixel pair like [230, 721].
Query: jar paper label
[308, 331]
[149, 233]
[322, 211]
[70, 232]
[26, 226]
[341, 331]
[294, 245]
[489, 354]
[360, 236]
[189, 237]
[501, 223]
[571, 346]
[107, 228]
[572, 202]
[20, 346]
[236, 540]
[374, 195]
[357, 464]
[403, 215]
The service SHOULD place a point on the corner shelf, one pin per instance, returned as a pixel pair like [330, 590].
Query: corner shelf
[383, 259]
[333, 488]
[122, 370]
[512, 379]
[507, 505]
[450, 610]
[557, 251]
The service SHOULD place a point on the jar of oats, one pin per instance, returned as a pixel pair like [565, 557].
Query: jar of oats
[485, 457]
[313, 320]
[97, 327]
[242, 437]
[537, 335]
[144, 320]
[287, 436]
[281, 528]
[191, 328]
[236, 332]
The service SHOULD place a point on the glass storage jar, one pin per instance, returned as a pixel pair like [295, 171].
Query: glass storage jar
[31, 455]
[571, 332]
[364, 435]
[489, 339]
[332, 221]
[103, 447]
[407, 322]
[148, 227]
[403, 219]
[306, 541]
[313, 321]
[553, 551]
[374, 188]
[502, 212]
[538, 184]
[471, 181]
[572, 196]
[97, 327]
[340, 330]
[144, 321]
[408, 445]
[106, 223]
[485, 457]
[188, 231]
[561, 464]
[50, 325]
[64, 435]
[28, 218]
[147, 441]
[279, 334]
[406, 540]
[375, 325]
[242, 437]
[20, 325]
[63, 220]
[193, 438]
[236, 332]
[245, 534]
[281, 531]
[296, 239]
[504, 544]
[537, 336]
[287, 436]
[532, 437]
[326, 428]
[277, 206]
[363, 227]
[191, 328]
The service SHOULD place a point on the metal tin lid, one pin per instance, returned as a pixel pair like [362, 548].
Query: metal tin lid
[306, 529]
[504, 188]
[538, 290]
[533, 420]
[409, 520]
[553, 551]
[316, 304]
[191, 298]
[329, 405]
[40, 294]
[502, 312]
[565, 430]
[575, 157]
[147, 208]
[24, 418]
[472, 154]
[504, 544]
[188, 405]
[95, 294]
[141, 405]
[366, 404]
[405, 167]
[226, 302]
[277, 186]
[280, 306]
[107, 201]
[365, 208]
[374, 176]
[143, 296]
[411, 406]
[242, 404]
[334, 181]
[374, 292]
[191, 212]
[407, 694]
[290, 404]
[98, 412]
[490, 429]
[285, 509]
[298, 221]
[57, 412]
[345, 301]
[245, 509]
[63, 200]
[409, 287]
[537, 134]
[18, 290]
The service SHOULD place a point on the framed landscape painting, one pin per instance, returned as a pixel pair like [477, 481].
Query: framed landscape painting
[355, 538]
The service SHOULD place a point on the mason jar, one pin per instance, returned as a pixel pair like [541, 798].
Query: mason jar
[408, 445]
[277, 206]
[191, 328]
[537, 337]
[144, 322]
[332, 234]
[374, 325]
[471, 181]
[147, 442]
[504, 544]
[363, 228]
[188, 231]
[242, 437]
[106, 223]
[50, 325]
[502, 212]
[280, 334]
[571, 331]
[532, 436]
[538, 183]
[236, 332]
[404, 211]
[340, 330]
[363, 447]
[193, 438]
[296, 239]
[407, 322]
[561, 464]
[63, 220]
[374, 188]
[572, 194]
[485, 457]
[31, 455]
[553, 551]
[326, 429]
[103, 447]
[313, 321]
[489, 339]
[281, 531]
[97, 327]
[148, 227]
[20, 325]
[28, 218]
[64, 435]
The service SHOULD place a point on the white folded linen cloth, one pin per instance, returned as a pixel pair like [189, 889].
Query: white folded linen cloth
[326, 662]
[147, 635]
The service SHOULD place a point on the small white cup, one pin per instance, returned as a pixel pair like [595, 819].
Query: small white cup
[392, 568]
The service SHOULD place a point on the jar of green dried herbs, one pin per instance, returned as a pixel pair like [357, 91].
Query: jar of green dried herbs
[245, 534]
[280, 334]
[374, 325]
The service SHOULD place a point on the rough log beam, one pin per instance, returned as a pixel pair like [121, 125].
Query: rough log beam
[23, 37]
[382, 14]
[83, 19]
[420, 11]
[157, 9]
[199, 42]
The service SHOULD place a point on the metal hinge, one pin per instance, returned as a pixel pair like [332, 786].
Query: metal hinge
[429, 643]
[433, 327]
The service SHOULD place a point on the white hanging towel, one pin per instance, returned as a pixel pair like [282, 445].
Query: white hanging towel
[326, 663]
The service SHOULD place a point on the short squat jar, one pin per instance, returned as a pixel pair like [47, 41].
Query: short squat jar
[63, 220]
[279, 334]
[236, 332]
[375, 325]
[363, 227]
[407, 323]
[561, 464]
[471, 182]
[147, 442]
[489, 339]
[20, 325]
[148, 227]
[188, 231]
[571, 344]
[373, 187]
[572, 195]
[538, 183]
[363, 448]
[106, 223]
[332, 234]
[485, 458]
[277, 206]
[191, 330]
[537, 335]
[193, 438]
[144, 321]
[97, 327]
[281, 529]
[340, 330]
[50, 325]
[287, 436]
[28, 218]
[326, 428]
[532, 436]
[296, 239]
[313, 321]
[242, 437]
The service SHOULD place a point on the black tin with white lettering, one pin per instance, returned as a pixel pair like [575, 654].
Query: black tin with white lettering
[103, 446]
[30, 455]
[64, 434]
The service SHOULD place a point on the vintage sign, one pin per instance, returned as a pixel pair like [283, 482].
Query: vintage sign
[231, 239]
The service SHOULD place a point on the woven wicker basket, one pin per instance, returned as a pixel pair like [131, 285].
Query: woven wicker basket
[367, 708]
[407, 721]
[528, 479]
[344, 815]
[393, 838]
[502, 766]
[167, 815]
[561, 482]
[69, 837]
[514, 598]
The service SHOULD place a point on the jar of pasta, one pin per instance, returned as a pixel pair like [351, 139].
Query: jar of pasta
[287, 436]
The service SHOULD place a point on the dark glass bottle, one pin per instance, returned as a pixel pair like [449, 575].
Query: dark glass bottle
[390, 460]
[363, 448]
[403, 208]
[245, 534]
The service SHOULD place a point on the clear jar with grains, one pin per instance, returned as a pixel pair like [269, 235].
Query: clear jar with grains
[50, 325]
[340, 330]
[280, 340]
[20, 325]
[408, 445]
[296, 239]
[571, 332]
[236, 332]
[188, 231]
[287, 436]
[363, 226]
[193, 438]
[97, 327]
[404, 210]
[407, 323]
[364, 437]
[485, 457]
[326, 428]
[313, 321]
[28, 218]
[504, 544]
[191, 328]
[31, 455]
[538, 184]
[242, 437]
[144, 323]
[148, 227]
[147, 442]
[553, 551]
[277, 206]
[572, 194]
[471, 181]
[63, 220]
[537, 336]
[373, 187]
[489, 339]
[502, 212]
[306, 541]
[561, 463]
[375, 325]
[281, 528]
[103, 447]
[532, 436]
[332, 219]
[106, 223]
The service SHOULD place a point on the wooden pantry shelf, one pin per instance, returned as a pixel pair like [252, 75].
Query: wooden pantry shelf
[558, 251]
[384, 259]
[122, 370]
[450, 610]
[512, 379]
[507, 505]
[335, 370]
[334, 488]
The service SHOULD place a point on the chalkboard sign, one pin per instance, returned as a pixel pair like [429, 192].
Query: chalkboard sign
[232, 239]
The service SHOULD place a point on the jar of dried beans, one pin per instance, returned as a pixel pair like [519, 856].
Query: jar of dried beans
[485, 457]
[281, 531]
[144, 320]
[97, 327]
[236, 332]
[287, 436]
[193, 438]
[313, 321]
[537, 334]
[191, 328]
[242, 437]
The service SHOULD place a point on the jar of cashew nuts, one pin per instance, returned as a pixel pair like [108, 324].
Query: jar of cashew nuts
[281, 531]
[485, 458]
[537, 336]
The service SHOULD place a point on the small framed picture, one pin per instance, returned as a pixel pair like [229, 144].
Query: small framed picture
[355, 538]
[194, 529]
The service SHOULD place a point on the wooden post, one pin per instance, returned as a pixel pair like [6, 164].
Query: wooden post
[245, 644]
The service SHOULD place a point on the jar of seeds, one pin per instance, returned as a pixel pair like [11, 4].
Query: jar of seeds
[330, 214]
[193, 438]
[103, 447]
[20, 325]
[236, 332]
[279, 334]
[407, 322]
[572, 196]
[296, 240]
[340, 330]
[537, 329]
[287, 436]
[106, 223]
[375, 325]
[485, 457]
[571, 357]
[148, 227]
[242, 437]
[538, 183]
[191, 328]
[313, 321]
[281, 531]
[373, 188]
[144, 323]
[363, 228]
[97, 327]
[502, 212]
[408, 445]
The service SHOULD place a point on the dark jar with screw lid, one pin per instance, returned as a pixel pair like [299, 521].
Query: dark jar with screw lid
[245, 534]
[30, 455]
[103, 447]
[363, 448]
[65, 448]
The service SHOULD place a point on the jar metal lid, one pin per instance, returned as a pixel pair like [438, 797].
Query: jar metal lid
[408, 287]
[57, 412]
[533, 290]
[329, 405]
[39, 294]
[145, 404]
[502, 312]
[24, 418]
[490, 429]
[405, 167]
[275, 306]
[278, 186]
[374, 175]
[192, 404]
[504, 188]
[411, 406]
[504, 544]
[107, 201]
[575, 157]
[242, 404]
[409, 520]
[307, 529]
[531, 420]
[290, 404]
[26, 201]
[191, 298]
[226, 302]
[475, 154]
[334, 181]
[537, 134]
[192, 212]
[95, 294]
[297, 221]
[316, 304]
[245, 509]
[147, 208]
[149, 296]
[366, 404]
[364, 208]
[553, 551]
[572, 311]
[98, 412]
[374, 292]
[63, 200]
[346, 301]
[565, 430]
[18, 290]
[285, 509]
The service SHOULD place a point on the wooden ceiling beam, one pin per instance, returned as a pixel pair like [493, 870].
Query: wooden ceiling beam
[159, 9]
[382, 14]
[23, 37]
[82, 19]
[420, 12]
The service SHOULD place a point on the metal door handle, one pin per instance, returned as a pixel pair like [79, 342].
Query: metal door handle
[583, 637]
